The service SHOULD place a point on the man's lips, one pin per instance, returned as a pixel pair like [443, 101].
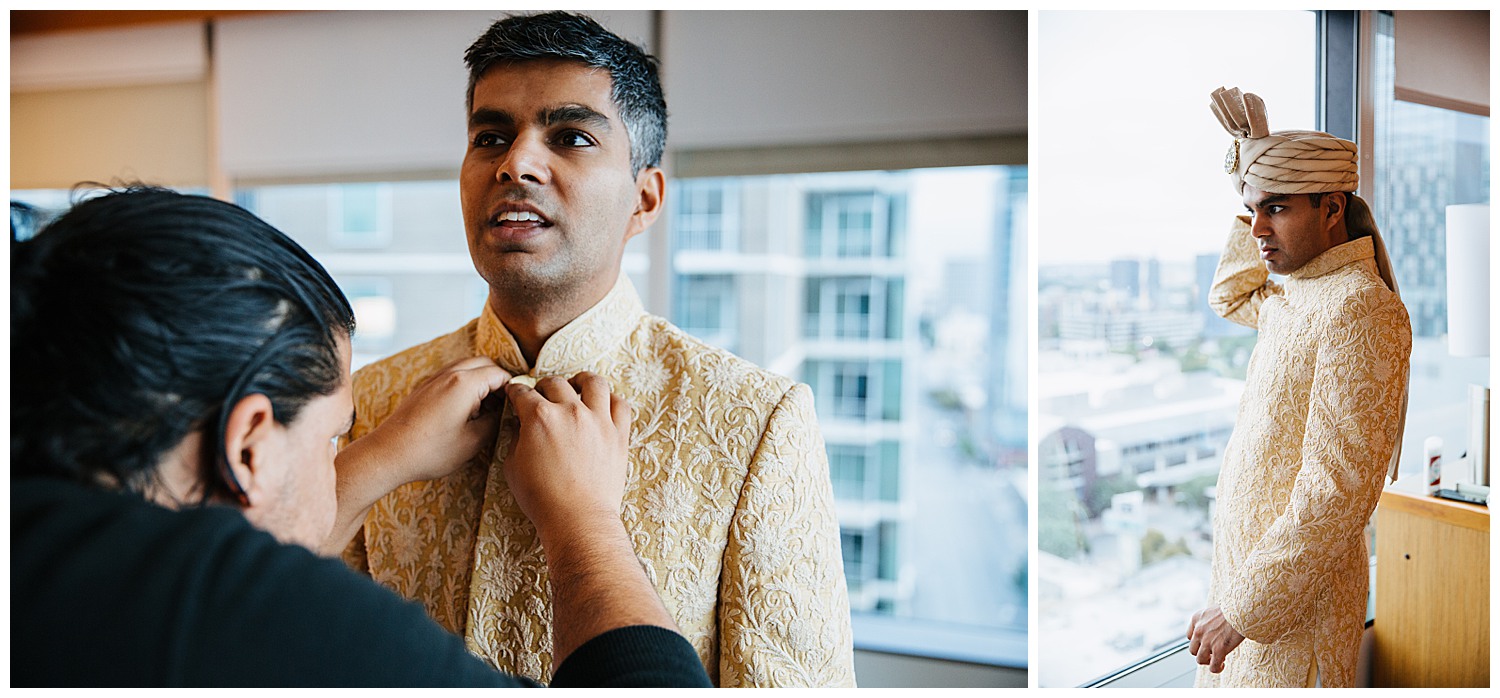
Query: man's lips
[1266, 252]
[517, 222]
[518, 215]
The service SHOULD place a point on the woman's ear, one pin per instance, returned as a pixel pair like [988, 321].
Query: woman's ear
[247, 442]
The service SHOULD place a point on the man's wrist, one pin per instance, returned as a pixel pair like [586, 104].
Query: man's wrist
[579, 528]
[364, 473]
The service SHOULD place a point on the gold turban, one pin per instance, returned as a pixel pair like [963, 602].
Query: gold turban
[1284, 162]
[1300, 162]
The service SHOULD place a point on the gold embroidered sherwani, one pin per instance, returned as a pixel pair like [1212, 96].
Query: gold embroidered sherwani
[1307, 461]
[728, 504]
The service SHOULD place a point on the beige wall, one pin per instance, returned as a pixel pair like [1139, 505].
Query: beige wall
[157, 134]
[358, 95]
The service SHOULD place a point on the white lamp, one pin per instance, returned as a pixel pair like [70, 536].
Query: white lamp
[1468, 252]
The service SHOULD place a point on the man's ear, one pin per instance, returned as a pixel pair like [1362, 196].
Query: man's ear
[247, 443]
[1334, 206]
[651, 190]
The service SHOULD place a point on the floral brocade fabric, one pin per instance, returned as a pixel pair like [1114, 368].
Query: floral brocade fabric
[728, 505]
[1307, 461]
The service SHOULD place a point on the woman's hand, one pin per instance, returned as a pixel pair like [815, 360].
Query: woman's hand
[445, 422]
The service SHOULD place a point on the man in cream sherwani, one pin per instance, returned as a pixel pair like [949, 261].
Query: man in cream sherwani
[728, 501]
[1320, 424]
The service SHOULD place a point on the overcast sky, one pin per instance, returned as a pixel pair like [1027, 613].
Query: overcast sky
[1127, 160]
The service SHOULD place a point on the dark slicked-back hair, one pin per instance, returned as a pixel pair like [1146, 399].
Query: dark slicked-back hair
[636, 90]
[143, 315]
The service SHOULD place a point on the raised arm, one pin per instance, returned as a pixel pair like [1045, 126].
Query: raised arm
[1241, 283]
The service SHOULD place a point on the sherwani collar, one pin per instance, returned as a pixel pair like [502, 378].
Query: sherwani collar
[577, 346]
[1336, 257]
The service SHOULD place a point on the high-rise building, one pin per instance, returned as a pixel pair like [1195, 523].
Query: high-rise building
[1151, 295]
[748, 249]
[1008, 336]
[1213, 326]
[1125, 277]
[1435, 158]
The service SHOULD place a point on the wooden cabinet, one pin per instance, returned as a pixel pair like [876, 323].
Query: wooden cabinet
[1432, 591]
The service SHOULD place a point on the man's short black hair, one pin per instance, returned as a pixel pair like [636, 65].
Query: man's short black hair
[636, 89]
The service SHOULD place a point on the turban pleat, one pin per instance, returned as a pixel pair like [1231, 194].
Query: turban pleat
[1281, 162]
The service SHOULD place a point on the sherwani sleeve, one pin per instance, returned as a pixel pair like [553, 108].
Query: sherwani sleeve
[1241, 283]
[784, 606]
[1352, 423]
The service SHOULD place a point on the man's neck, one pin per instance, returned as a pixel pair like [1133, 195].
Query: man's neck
[533, 321]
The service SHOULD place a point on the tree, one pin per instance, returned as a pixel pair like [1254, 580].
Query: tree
[1192, 491]
[1155, 548]
[1103, 492]
[1058, 522]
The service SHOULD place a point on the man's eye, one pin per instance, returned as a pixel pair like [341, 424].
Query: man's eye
[574, 139]
[1275, 209]
[487, 140]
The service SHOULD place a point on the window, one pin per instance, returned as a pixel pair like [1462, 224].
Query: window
[374, 314]
[916, 358]
[1425, 159]
[1138, 383]
[359, 215]
[861, 307]
[397, 249]
[850, 224]
[705, 216]
[705, 308]
[851, 390]
[846, 468]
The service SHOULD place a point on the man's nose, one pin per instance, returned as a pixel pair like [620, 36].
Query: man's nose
[525, 162]
[1259, 226]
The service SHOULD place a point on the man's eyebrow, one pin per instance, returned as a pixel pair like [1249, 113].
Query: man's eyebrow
[574, 114]
[490, 117]
[1268, 201]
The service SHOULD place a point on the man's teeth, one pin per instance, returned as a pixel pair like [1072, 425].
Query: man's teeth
[520, 216]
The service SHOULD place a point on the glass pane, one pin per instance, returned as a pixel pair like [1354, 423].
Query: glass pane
[397, 249]
[359, 208]
[919, 379]
[1427, 158]
[375, 313]
[1138, 382]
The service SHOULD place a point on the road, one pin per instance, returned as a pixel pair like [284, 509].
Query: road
[969, 534]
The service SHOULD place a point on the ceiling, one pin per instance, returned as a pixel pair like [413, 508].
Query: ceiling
[24, 22]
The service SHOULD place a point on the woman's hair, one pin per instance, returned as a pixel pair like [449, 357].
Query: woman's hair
[142, 315]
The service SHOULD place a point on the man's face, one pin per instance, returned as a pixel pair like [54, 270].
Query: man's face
[548, 196]
[1290, 230]
[300, 501]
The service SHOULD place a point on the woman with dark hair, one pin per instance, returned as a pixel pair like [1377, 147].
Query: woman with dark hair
[180, 378]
